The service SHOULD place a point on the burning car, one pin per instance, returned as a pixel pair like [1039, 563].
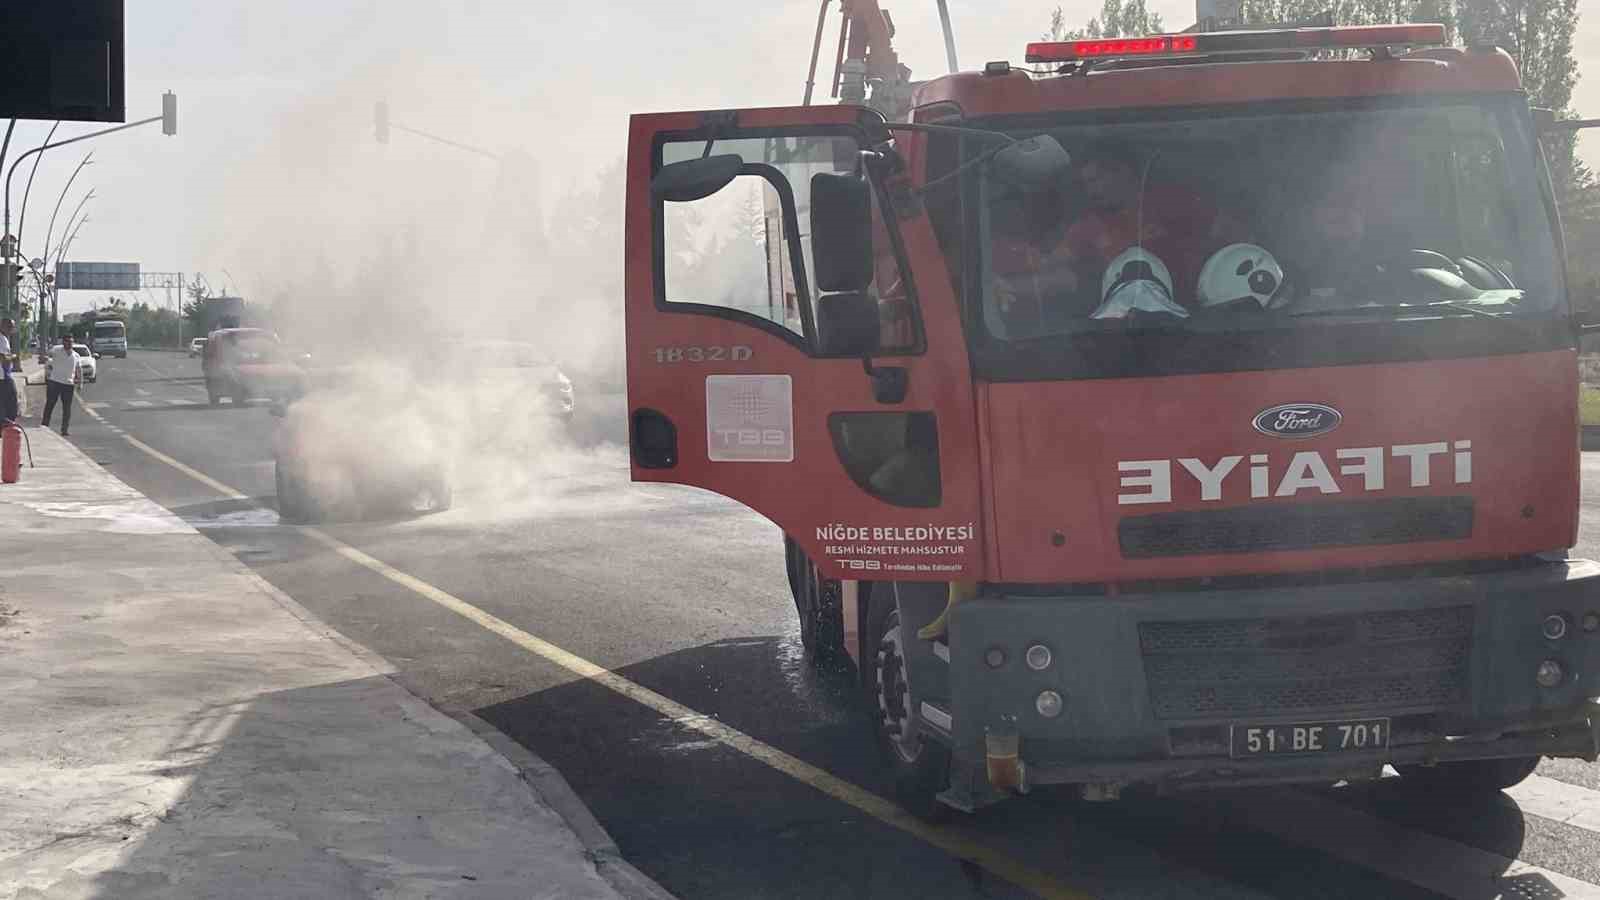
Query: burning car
[376, 439]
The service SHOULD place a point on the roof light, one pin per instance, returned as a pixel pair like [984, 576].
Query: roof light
[1237, 42]
[1067, 51]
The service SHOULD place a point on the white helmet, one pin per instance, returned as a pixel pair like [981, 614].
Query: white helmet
[1136, 280]
[1240, 272]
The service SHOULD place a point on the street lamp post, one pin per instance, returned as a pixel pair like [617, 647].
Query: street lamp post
[50, 232]
[27, 190]
[61, 254]
[49, 237]
[382, 125]
[169, 126]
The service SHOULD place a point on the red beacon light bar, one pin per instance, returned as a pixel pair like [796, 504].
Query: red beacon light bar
[1237, 42]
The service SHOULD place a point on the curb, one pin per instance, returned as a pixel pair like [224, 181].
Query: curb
[550, 784]
[541, 777]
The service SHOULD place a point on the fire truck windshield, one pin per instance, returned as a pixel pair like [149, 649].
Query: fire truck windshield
[1267, 218]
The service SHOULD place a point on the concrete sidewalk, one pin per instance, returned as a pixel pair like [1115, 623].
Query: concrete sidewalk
[172, 726]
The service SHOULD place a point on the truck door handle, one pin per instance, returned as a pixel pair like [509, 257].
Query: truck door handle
[889, 383]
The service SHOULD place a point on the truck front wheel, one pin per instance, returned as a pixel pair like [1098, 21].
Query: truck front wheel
[1481, 776]
[819, 602]
[919, 767]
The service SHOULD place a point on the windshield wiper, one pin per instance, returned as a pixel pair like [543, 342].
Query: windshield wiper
[1397, 310]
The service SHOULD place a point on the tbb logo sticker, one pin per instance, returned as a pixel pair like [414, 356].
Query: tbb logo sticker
[749, 418]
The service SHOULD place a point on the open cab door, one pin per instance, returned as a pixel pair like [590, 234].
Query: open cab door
[792, 339]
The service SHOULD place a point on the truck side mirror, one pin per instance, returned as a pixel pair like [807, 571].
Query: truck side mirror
[847, 325]
[841, 233]
[695, 179]
[1032, 162]
[1545, 122]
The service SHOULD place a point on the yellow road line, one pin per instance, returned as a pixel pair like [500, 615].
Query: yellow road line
[946, 839]
[196, 474]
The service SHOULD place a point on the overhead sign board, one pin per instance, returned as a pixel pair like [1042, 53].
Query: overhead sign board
[97, 276]
[62, 59]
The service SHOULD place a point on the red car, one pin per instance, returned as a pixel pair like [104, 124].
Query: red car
[241, 363]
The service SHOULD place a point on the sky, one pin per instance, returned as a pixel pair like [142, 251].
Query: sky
[275, 176]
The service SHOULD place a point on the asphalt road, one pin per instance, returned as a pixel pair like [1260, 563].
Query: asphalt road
[683, 593]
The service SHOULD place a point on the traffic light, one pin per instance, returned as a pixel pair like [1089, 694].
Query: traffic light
[169, 113]
[12, 273]
[380, 121]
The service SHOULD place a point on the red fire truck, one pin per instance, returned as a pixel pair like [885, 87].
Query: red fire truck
[1186, 411]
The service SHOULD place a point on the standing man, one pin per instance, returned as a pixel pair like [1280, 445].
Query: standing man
[62, 376]
[10, 405]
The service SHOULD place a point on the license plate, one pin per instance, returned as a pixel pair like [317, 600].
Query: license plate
[1309, 737]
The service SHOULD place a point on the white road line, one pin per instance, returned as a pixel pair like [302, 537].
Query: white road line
[1558, 801]
[141, 392]
[1434, 863]
[141, 403]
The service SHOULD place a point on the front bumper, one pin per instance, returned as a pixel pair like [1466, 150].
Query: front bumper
[1152, 682]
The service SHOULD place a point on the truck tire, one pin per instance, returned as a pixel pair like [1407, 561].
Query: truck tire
[792, 556]
[294, 503]
[918, 766]
[1478, 776]
[819, 602]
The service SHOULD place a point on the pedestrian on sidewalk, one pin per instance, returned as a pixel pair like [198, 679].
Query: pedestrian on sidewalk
[10, 404]
[62, 376]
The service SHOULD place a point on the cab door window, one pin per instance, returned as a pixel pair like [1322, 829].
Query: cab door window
[746, 250]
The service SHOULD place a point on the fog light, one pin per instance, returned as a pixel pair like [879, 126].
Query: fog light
[1550, 674]
[1591, 621]
[1555, 627]
[1038, 657]
[1048, 704]
[995, 657]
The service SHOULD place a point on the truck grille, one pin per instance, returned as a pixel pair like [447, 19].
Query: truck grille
[1254, 529]
[1375, 661]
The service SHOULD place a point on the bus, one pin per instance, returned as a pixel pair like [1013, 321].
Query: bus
[110, 336]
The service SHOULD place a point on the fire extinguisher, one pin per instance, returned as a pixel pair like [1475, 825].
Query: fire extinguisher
[10, 452]
[11, 438]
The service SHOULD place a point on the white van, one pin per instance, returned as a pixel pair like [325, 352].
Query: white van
[110, 338]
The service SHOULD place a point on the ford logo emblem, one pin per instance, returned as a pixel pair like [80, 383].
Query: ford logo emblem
[1297, 420]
